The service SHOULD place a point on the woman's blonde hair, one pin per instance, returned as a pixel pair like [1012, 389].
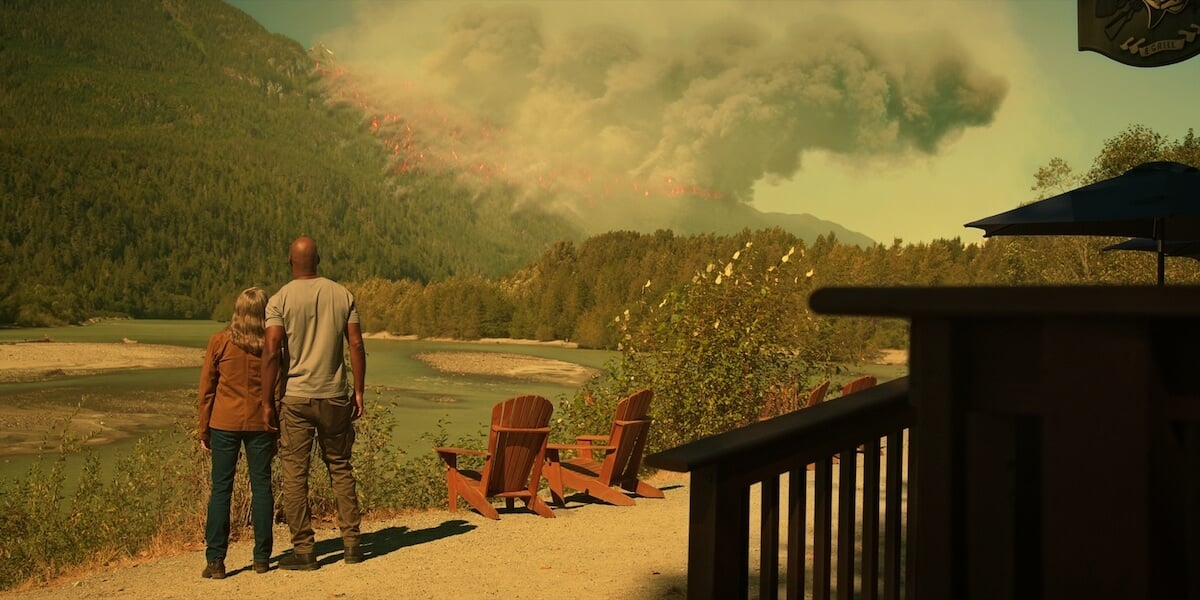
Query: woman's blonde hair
[247, 327]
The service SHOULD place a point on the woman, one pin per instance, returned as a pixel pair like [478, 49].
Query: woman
[230, 417]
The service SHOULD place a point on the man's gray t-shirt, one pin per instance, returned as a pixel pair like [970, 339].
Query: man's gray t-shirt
[313, 314]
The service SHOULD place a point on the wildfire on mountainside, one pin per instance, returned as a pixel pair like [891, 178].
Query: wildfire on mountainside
[436, 139]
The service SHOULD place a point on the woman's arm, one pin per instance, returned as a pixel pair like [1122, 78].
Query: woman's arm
[209, 375]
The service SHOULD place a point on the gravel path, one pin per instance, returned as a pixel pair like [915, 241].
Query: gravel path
[589, 550]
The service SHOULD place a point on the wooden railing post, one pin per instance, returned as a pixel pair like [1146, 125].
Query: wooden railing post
[769, 539]
[870, 520]
[724, 467]
[797, 535]
[847, 496]
[718, 537]
[822, 529]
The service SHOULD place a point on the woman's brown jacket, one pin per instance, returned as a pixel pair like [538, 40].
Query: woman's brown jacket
[230, 388]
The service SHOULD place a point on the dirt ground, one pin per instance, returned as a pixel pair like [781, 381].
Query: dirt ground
[892, 357]
[589, 550]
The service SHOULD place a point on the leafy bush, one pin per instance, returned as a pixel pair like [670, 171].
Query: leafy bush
[713, 351]
[155, 496]
[590, 412]
[421, 481]
[388, 479]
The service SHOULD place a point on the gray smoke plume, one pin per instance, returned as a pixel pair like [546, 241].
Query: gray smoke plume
[628, 99]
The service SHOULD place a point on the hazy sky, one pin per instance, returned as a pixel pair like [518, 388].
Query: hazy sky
[897, 119]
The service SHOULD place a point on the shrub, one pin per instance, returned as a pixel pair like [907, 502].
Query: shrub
[590, 412]
[713, 351]
[390, 480]
[155, 495]
[421, 481]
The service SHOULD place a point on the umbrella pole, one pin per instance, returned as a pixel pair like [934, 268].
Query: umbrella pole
[1161, 263]
[1160, 236]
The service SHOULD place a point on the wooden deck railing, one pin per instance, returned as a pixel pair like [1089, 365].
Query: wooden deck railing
[725, 468]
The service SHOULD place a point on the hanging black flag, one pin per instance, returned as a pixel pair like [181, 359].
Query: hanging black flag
[1142, 33]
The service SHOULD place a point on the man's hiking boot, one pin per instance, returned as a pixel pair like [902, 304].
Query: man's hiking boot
[298, 562]
[262, 566]
[353, 554]
[214, 570]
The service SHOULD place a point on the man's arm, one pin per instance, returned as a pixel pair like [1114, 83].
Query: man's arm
[358, 364]
[271, 360]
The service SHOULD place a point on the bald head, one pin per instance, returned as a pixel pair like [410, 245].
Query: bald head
[303, 257]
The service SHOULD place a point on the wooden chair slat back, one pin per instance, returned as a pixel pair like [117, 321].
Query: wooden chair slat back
[516, 456]
[817, 395]
[630, 428]
[634, 407]
[858, 385]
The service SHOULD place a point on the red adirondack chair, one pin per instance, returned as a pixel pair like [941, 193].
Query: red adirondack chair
[512, 466]
[622, 448]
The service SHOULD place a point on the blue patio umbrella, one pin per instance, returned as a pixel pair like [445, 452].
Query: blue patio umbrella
[1159, 201]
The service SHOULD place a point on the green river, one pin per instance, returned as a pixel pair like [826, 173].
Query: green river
[419, 394]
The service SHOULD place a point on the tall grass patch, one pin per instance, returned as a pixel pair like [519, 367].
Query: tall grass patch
[153, 502]
[55, 523]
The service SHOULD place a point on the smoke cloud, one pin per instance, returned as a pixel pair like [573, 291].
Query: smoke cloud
[671, 98]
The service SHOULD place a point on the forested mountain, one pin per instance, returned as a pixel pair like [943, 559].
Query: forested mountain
[160, 155]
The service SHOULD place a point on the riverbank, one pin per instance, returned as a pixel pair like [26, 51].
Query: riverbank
[31, 412]
[22, 362]
[384, 335]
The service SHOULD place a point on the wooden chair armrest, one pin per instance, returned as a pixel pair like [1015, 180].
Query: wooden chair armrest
[645, 420]
[578, 447]
[521, 429]
[450, 450]
[450, 455]
[591, 438]
[553, 449]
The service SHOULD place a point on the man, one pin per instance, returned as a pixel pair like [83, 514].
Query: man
[306, 322]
